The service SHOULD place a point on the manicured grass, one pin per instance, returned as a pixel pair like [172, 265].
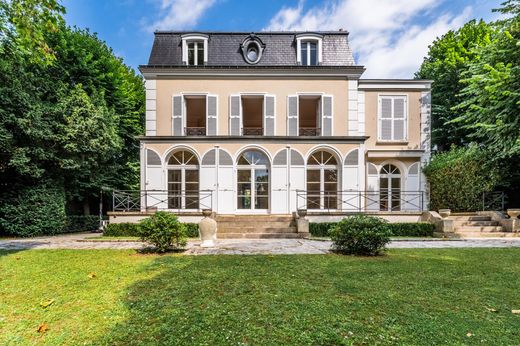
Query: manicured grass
[108, 238]
[408, 297]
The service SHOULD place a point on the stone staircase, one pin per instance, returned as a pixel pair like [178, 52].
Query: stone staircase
[471, 225]
[257, 227]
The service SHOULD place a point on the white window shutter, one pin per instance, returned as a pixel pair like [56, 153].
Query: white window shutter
[212, 118]
[269, 115]
[386, 129]
[399, 108]
[326, 124]
[235, 122]
[178, 123]
[398, 130]
[292, 115]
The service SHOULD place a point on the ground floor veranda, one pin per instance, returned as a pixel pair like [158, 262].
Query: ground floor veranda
[261, 176]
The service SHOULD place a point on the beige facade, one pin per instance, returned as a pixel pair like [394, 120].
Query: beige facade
[274, 139]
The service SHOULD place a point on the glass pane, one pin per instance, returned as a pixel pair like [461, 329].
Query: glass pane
[192, 188]
[243, 161]
[244, 189]
[244, 202]
[330, 187]
[313, 53]
[330, 201]
[259, 158]
[192, 202]
[304, 54]
[383, 183]
[330, 175]
[192, 175]
[261, 175]
[396, 183]
[383, 200]
[189, 159]
[313, 175]
[244, 175]
[314, 187]
[261, 202]
[174, 175]
[315, 159]
[200, 53]
[313, 201]
[262, 189]
[191, 54]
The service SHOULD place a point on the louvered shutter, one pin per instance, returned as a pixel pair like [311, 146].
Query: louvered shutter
[326, 113]
[178, 129]
[399, 119]
[292, 115]
[269, 115]
[234, 115]
[386, 119]
[211, 115]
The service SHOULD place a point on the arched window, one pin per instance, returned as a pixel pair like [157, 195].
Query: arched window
[390, 188]
[183, 180]
[253, 180]
[322, 181]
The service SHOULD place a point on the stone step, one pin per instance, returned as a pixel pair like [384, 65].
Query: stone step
[254, 229]
[260, 224]
[469, 218]
[260, 235]
[254, 218]
[473, 229]
[460, 223]
[466, 235]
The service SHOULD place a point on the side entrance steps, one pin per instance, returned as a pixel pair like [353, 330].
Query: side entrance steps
[471, 225]
[257, 227]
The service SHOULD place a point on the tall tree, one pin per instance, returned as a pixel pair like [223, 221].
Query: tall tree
[447, 60]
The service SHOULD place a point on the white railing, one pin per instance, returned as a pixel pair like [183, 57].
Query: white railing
[149, 200]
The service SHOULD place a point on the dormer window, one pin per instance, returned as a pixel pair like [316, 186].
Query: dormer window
[252, 48]
[309, 49]
[194, 49]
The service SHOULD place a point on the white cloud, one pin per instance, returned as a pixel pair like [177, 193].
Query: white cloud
[386, 36]
[179, 14]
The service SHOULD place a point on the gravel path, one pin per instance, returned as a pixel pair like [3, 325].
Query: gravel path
[239, 246]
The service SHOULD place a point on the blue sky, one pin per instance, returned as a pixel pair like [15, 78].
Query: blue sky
[389, 37]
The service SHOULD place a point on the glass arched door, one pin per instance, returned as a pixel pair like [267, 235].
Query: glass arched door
[390, 188]
[322, 181]
[183, 181]
[253, 181]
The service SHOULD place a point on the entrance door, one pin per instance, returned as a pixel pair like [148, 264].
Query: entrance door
[253, 181]
[183, 181]
[322, 181]
[390, 188]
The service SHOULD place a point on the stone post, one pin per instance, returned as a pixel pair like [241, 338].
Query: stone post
[208, 229]
[302, 224]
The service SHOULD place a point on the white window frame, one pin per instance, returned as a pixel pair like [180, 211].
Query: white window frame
[404, 97]
[196, 39]
[304, 39]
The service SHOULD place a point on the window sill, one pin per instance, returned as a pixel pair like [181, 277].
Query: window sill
[392, 142]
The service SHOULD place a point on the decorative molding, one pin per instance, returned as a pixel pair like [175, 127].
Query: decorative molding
[425, 142]
[394, 153]
[151, 107]
[361, 113]
[353, 117]
[395, 84]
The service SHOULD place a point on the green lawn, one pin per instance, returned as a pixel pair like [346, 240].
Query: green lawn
[427, 297]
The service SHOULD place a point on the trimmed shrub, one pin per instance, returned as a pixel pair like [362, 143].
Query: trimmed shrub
[360, 235]
[81, 223]
[459, 177]
[411, 229]
[121, 230]
[192, 230]
[33, 211]
[321, 229]
[164, 231]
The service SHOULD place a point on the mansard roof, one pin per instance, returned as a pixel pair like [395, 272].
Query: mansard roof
[224, 48]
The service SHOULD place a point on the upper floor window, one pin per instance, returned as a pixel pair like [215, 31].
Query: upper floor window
[309, 53]
[195, 53]
[392, 118]
[194, 49]
[309, 49]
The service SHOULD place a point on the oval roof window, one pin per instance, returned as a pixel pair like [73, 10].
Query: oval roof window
[252, 49]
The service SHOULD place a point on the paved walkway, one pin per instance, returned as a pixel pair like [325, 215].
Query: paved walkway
[238, 246]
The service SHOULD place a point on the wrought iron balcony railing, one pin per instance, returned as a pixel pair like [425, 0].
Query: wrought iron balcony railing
[309, 131]
[195, 131]
[360, 201]
[150, 200]
[253, 131]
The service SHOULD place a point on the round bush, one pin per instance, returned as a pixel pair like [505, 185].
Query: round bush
[360, 235]
[164, 231]
[33, 211]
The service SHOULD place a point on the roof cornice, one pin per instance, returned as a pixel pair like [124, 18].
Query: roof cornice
[161, 71]
[256, 139]
[378, 84]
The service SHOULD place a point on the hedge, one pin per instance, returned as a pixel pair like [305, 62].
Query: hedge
[33, 211]
[399, 229]
[131, 230]
[81, 223]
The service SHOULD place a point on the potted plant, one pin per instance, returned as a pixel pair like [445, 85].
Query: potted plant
[513, 213]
